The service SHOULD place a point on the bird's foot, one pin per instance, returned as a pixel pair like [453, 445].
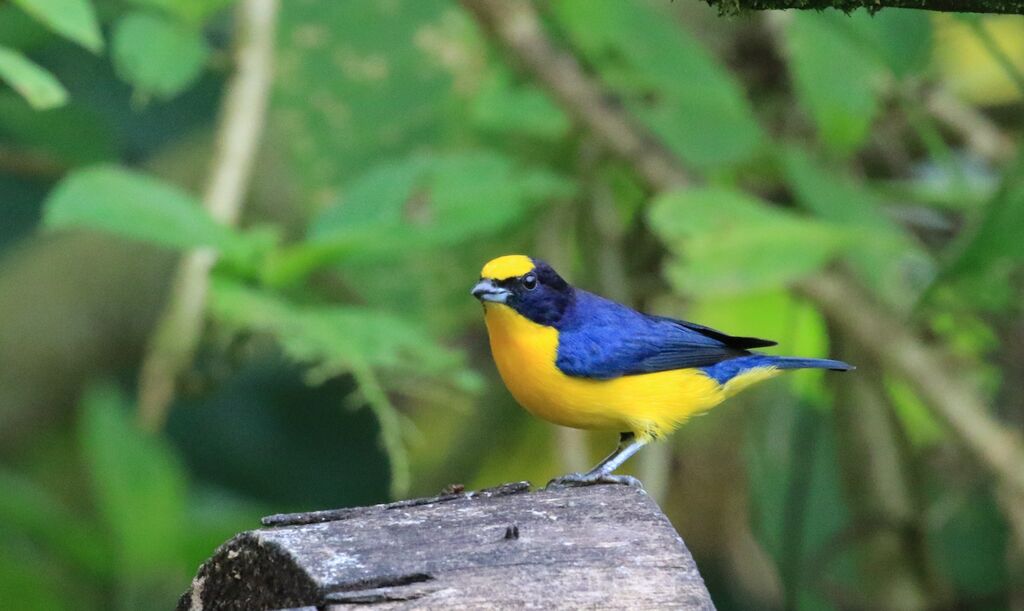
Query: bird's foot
[575, 480]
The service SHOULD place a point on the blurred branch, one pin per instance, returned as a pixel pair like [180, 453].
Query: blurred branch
[803, 445]
[978, 133]
[879, 488]
[178, 330]
[736, 7]
[884, 339]
[30, 164]
[516, 26]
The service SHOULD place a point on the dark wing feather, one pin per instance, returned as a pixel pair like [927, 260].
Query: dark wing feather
[733, 341]
[602, 339]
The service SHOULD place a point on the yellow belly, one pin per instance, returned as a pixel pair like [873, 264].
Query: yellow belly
[646, 404]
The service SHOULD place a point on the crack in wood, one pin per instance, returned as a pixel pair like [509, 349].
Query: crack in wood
[381, 589]
[383, 581]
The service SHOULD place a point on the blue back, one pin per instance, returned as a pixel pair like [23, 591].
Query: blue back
[601, 339]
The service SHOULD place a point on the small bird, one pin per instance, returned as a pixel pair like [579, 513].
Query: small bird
[579, 360]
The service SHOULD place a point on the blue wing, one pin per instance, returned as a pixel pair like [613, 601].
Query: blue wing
[602, 339]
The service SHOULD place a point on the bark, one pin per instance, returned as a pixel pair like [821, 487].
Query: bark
[735, 7]
[605, 546]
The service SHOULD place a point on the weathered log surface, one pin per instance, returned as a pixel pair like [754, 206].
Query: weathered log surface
[601, 546]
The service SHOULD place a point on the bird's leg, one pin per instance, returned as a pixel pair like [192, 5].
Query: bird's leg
[624, 440]
[602, 473]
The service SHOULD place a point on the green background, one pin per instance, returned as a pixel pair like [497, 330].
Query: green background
[343, 362]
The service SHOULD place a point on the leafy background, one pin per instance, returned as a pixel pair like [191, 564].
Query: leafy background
[342, 362]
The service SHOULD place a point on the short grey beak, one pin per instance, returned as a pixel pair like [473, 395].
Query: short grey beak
[485, 290]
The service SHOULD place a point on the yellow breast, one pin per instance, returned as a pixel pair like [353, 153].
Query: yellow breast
[646, 404]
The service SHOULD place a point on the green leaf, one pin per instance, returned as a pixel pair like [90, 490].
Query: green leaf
[19, 31]
[336, 340]
[917, 419]
[330, 338]
[892, 262]
[73, 134]
[35, 84]
[357, 83]
[418, 203]
[73, 19]
[835, 79]
[194, 12]
[156, 55]
[970, 544]
[28, 583]
[673, 84]
[138, 485]
[728, 242]
[995, 241]
[130, 204]
[901, 38]
[440, 196]
[37, 513]
[502, 107]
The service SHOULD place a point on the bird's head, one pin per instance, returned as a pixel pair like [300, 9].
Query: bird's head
[530, 287]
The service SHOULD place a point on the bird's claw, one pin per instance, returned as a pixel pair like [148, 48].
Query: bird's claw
[575, 480]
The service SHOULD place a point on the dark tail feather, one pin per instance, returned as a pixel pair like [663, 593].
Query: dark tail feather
[793, 362]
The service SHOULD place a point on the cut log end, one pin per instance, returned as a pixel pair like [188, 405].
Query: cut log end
[603, 546]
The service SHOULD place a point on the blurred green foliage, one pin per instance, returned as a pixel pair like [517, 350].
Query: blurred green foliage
[402, 151]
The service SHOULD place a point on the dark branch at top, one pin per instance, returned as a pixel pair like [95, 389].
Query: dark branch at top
[735, 7]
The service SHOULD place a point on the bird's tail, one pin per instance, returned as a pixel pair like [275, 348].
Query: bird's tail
[738, 373]
[794, 362]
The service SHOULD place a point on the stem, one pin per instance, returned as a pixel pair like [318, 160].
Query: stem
[802, 449]
[735, 7]
[879, 490]
[977, 131]
[179, 327]
[884, 339]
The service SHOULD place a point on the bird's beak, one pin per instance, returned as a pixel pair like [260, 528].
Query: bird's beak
[486, 290]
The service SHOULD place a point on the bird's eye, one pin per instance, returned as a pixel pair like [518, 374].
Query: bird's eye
[529, 282]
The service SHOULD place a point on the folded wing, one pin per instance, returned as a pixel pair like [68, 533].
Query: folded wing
[603, 339]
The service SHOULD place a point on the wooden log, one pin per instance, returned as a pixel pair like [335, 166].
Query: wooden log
[606, 546]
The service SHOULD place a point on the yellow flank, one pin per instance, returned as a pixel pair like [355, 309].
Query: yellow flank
[648, 405]
[508, 266]
[747, 379]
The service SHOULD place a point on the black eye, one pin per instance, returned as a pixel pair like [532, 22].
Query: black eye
[529, 282]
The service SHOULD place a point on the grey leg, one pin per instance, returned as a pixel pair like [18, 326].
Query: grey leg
[624, 440]
[602, 473]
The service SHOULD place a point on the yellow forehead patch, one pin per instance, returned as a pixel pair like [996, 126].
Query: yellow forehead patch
[508, 266]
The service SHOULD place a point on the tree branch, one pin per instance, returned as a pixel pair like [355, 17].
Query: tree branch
[179, 328]
[515, 25]
[873, 457]
[736, 7]
[927, 370]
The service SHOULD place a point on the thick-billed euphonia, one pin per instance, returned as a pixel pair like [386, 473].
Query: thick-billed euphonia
[583, 361]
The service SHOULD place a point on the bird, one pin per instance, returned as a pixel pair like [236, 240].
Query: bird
[580, 360]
